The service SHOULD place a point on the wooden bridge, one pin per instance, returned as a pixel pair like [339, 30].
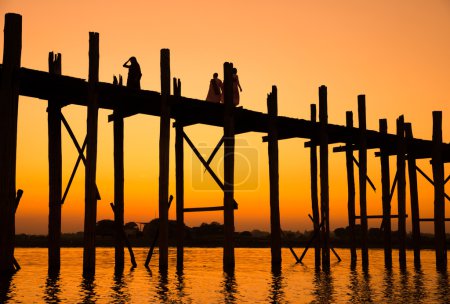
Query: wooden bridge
[62, 90]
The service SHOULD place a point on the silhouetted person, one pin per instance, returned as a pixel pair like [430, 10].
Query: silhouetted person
[236, 86]
[134, 73]
[215, 89]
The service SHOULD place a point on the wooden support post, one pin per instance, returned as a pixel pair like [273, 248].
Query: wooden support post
[414, 197]
[90, 204]
[179, 176]
[55, 172]
[229, 141]
[314, 194]
[9, 99]
[386, 198]
[125, 240]
[164, 147]
[401, 191]
[119, 204]
[362, 179]
[351, 192]
[439, 201]
[275, 228]
[324, 189]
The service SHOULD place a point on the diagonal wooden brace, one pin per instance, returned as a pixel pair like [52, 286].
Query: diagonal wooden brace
[18, 197]
[214, 152]
[367, 178]
[431, 181]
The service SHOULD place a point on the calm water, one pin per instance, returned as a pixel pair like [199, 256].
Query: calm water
[204, 282]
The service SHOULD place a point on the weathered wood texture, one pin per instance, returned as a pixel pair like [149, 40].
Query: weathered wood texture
[9, 98]
[55, 172]
[401, 191]
[386, 199]
[351, 193]
[275, 226]
[90, 205]
[324, 188]
[229, 142]
[414, 198]
[164, 150]
[439, 190]
[314, 194]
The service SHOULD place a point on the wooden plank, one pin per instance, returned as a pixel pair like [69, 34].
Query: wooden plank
[55, 173]
[314, 194]
[179, 181]
[439, 202]
[204, 209]
[386, 199]
[401, 191]
[164, 150]
[229, 142]
[362, 179]
[9, 98]
[275, 226]
[351, 193]
[324, 189]
[381, 216]
[414, 198]
[90, 204]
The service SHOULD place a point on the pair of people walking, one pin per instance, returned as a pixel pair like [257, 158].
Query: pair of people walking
[215, 92]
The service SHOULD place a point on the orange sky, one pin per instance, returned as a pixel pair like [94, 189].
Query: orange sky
[395, 52]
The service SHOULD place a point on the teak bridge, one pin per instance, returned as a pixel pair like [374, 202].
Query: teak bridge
[62, 90]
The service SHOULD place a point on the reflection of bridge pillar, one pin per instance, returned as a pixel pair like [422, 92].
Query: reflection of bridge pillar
[228, 133]
[275, 229]
[9, 100]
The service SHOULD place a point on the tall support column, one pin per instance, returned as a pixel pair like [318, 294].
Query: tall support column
[275, 229]
[351, 191]
[401, 191]
[362, 179]
[228, 133]
[55, 172]
[439, 194]
[9, 100]
[386, 198]
[164, 149]
[179, 176]
[414, 197]
[119, 176]
[324, 189]
[90, 204]
[314, 194]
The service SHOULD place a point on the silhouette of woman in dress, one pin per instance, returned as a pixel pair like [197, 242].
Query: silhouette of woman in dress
[236, 86]
[134, 73]
[215, 89]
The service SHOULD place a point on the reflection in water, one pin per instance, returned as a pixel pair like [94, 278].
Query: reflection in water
[6, 289]
[87, 290]
[443, 287]
[323, 287]
[180, 284]
[388, 284]
[360, 287]
[163, 289]
[276, 293]
[52, 289]
[229, 287]
[120, 290]
[419, 290]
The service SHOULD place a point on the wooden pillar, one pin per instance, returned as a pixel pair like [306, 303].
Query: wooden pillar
[351, 191]
[439, 198]
[55, 172]
[90, 204]
[164, 147]
[119, 204]
[229, 141]
[401, 191]
[275, 229]
[414, 197]
[386, 198]
[9, 100]
[179, 176]
[324, 189]
[314, 194]
[362, 179]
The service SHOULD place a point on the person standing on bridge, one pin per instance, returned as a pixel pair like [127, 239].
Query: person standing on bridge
[134, 73]
[236, 86]
[215, 89]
